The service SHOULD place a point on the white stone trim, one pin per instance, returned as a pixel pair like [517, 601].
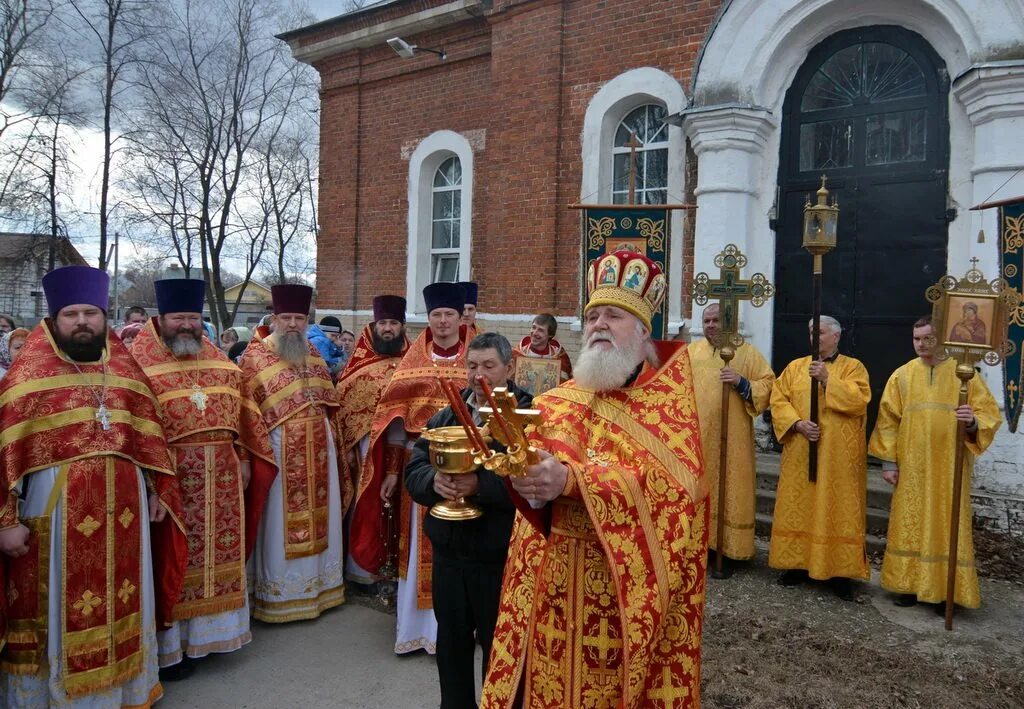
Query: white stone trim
[606, 109]
[424, 161]
[431, 18]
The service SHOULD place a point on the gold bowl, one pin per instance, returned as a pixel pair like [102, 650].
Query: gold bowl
[452, 453]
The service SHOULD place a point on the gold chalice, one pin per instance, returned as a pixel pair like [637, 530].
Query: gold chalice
[451, 452]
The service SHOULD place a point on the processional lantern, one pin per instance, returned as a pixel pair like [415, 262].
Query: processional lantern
[821, 222]
[970, 318]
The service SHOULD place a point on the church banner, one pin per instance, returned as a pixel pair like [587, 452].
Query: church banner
[1011, 268]
[644, 229]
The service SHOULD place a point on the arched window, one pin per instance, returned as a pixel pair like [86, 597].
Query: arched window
[651, 185]
[446, 221]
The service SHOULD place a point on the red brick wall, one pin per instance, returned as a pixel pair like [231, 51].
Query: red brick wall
[524, 73]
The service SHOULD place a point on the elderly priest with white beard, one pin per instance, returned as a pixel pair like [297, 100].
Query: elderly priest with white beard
[603, 596]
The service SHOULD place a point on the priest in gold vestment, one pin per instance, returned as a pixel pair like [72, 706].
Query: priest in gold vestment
[915, 437]
[818, 528]
[297, 561]
[86, 471]
[217, 440]
[751, 379]
[603, 594]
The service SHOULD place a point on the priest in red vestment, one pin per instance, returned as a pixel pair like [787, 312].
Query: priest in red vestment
[297, 562]
[376, 356]
[218, 441]
[603, 594]
[411, 398]
[92, 508]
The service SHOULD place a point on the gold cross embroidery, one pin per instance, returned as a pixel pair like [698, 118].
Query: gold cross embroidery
[666, 693]
[603, 642]
[126, 517]
[127, 589]
[550, 632]
[87, 603]
[88, 526]
[1012, 389]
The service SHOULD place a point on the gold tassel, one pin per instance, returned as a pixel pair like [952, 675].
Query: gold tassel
[981, 236]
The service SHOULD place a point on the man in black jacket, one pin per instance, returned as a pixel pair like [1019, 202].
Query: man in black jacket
[469, 555]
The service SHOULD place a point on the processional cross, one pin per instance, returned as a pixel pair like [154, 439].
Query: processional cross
[729, 289]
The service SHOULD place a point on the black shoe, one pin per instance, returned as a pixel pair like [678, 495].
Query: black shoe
[178, 672]
[842, 588]
[905, 600]
[793, 577]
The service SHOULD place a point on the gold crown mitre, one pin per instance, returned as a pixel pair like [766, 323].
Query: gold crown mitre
[628, 280]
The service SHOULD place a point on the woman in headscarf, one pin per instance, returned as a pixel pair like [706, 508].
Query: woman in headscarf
[10, 347]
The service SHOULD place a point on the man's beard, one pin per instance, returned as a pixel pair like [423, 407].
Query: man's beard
[81, 350]
[292, 347]
[602, 370]
[185, 346]
[388, 348]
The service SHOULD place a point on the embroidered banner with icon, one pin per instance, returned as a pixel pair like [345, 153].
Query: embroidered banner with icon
[645, 229]
[1011, 268]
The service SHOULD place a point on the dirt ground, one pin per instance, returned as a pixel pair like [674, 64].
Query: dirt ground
[769, 646]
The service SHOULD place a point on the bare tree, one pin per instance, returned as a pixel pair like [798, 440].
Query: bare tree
[213, 84]
[20, 22]
[114, 27]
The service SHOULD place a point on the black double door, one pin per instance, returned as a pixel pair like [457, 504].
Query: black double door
[868, 111]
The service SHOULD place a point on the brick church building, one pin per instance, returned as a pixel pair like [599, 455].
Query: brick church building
[464, 167]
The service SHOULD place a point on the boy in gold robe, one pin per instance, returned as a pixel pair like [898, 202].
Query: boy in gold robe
[819, 527]
[915, 437]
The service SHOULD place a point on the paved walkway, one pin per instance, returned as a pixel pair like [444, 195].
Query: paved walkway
[343, 660]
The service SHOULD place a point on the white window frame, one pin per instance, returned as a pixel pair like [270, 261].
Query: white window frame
[428, 156]
[606, 109]
[641, 172]
[437, 254]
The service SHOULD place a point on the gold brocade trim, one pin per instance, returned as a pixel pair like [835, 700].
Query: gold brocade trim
[83, 414]
[210, 606]
[187, 366]
[298, 385]
[571, 519]
[155, 695]
[120, 628]
[62, 381]
[265, 376]
[90, 681]
[930, 559]
[268, 611]
[32, 630]
[618, 415]
[185, 393]
[928, 406]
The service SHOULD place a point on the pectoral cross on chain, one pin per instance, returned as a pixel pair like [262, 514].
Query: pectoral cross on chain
[198, 398]
[102, 416]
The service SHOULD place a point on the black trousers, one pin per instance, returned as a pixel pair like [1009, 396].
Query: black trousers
[465, 596]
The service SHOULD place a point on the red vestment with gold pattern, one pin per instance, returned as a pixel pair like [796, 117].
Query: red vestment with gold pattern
[298, 401]
[603, 596]
[211, 428]
[414, 394]
[360, 387]
[96, 424]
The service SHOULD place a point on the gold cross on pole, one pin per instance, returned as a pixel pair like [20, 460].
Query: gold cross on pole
[633, 144]
[729, 289]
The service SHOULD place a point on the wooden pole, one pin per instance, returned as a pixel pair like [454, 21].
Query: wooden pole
[964, 372]
[726, 353]
[812, 450]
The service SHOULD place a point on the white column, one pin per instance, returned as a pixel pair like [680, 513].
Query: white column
[733, 198]
[992, 95]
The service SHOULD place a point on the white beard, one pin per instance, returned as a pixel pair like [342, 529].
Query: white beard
[603, 370]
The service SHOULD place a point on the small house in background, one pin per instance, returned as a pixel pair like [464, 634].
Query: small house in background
[24, 258]
[254, 304]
